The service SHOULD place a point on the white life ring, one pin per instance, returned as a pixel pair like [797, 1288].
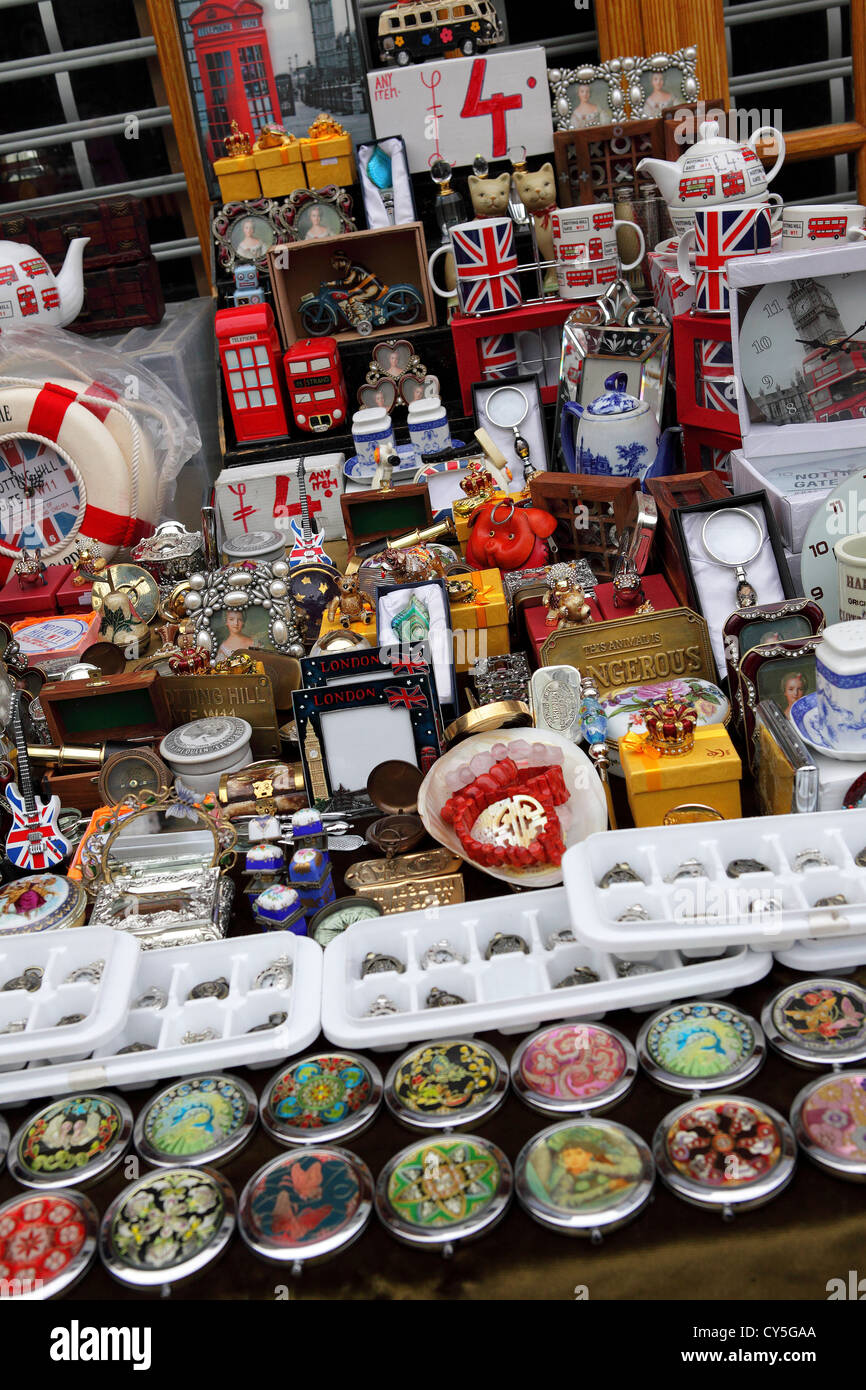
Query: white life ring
[53, 413]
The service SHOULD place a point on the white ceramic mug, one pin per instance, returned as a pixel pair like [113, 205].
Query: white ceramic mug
[851, 565]
[840, 704]
[585, 249]
[812, 226]
[683, 219]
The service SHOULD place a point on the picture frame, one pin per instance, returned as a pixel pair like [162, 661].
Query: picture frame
[342, 729]
[245, 232]
[340, 668]
[663, 82]
[252, 593]
[586, 97]
[315, 214]
[767, 625]
[261, 67]
[396, 376]
[775, 671]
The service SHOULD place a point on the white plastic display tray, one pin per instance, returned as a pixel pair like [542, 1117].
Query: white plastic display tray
[825, 957]
[704, 915]
[511, 993]
[59, 954]
[177, 970]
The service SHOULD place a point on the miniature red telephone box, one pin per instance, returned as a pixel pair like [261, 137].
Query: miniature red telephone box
[314, 378]
[249, 347]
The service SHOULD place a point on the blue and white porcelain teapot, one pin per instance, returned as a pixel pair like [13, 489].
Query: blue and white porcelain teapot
[616, 434]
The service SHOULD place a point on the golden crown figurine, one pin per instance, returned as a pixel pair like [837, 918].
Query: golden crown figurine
[238, 143]
[670, 725]
[324, 127]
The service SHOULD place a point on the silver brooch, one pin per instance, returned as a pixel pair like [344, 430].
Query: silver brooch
[620, 873]
[29, 979]
[564, 937]
[503, 944]
[375, 963]
[635, 913]
[382, 1005]
[86, 974]
[277, 975]
[441, 953]
[690, 868]
[810, 859]
[274, 1021]
[581, 975]
[441, 999]
[738, 867]
[153, 998]
[210, 989]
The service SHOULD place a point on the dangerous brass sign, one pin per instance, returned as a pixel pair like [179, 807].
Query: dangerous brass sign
[636, 650]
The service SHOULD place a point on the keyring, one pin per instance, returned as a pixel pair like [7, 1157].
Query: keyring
[509, 505]
[746, 595]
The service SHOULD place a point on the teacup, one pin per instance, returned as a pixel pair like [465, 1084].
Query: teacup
[822, 224]
[840, 703]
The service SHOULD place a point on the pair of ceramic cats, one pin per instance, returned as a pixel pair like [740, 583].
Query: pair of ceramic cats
[537, 193]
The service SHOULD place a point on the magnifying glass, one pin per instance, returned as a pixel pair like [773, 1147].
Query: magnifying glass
[507, 407]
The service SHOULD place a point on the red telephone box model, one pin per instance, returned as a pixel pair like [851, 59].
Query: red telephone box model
[314, 377]
[248, 347]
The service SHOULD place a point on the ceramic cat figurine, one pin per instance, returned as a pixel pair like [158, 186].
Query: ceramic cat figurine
[490, 196]
[537, 193]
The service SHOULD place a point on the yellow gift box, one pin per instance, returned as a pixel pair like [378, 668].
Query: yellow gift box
[281, 169]
[708, 775]
[480, 622]
[367, 629]
[327, 161]
[238, 178]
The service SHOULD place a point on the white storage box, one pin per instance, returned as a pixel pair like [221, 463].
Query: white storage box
[794, 484]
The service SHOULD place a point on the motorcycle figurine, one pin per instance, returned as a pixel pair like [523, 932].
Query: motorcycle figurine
[357, 300]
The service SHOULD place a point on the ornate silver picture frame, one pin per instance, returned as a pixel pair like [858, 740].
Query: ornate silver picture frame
[245, 232]
[587, 96]
[315, 214]
[663, 82]
[242, 606]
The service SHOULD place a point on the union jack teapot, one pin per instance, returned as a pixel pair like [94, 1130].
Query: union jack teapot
[31, 293]
[617, 435]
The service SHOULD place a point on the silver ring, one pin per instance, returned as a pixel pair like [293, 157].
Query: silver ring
[509, 505]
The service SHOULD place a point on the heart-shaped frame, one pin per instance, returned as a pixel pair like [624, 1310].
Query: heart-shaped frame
[381, 393]
[415, 387]
[393, 357]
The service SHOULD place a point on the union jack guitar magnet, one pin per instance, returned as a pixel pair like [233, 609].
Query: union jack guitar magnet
[34, 842]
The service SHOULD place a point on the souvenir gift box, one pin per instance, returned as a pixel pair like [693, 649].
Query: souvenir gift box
[280, 170]
[795, 484]
[395, 255]
[238, 178]
[708, 775]
[328, 158]
[479, 619]
[18, 599]
[671, 293]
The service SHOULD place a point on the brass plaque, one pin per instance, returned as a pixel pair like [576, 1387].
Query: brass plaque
[636, 650]
[248, 697]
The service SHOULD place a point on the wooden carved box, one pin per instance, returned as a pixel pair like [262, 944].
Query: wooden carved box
[590, 512]
[599, 164]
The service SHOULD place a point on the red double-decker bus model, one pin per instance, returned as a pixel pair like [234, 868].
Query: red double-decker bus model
[698, 188]
[317, 390]
[733, 184]
[826, 227]
[601, 220]
[249, 348]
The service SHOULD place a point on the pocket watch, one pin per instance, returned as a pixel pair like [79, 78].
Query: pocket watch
[443, 1190]
[306, 1205]
[79, 1139]
[573, 1068]
[829, 1120]
[167, 1226]
[200, 1119]
[700, 1046]
[47, 1243]
[323, 1097]
[447, 1084]
[818, 1023]
[141, 587]
[132, 772]
[725, 1152]
[584, 1177]
[333, 919]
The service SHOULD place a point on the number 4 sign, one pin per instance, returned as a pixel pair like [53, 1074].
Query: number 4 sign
[461, 107]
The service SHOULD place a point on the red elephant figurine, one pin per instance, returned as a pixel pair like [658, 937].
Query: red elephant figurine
[505, 537]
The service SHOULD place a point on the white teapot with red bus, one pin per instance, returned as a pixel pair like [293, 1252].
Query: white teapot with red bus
[716, 170]
[31, 293]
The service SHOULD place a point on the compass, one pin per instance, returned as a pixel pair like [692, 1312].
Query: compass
[130, 774]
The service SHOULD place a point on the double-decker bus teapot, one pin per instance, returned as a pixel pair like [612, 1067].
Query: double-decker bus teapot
[716, 169]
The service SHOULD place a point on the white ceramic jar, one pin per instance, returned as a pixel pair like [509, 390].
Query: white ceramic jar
[841, 697]
[200, 752]
[428, 426]
[372, 430]
[264, 547]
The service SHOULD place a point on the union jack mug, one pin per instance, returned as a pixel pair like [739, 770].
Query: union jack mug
[720, 233]
[486, 264]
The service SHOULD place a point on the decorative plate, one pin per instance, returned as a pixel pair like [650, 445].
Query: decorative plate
[167, 1226]
[443, 1190]
[305, 1205]
[573, 1067]
[700, 1046]
[202, 1119]
[41, 902]
[727, 1151]
[444, 1085]
[584, 1177]
[324, 1096]
[829, 1119]
[818, 1022]
[47, 1243]
[77, 1140]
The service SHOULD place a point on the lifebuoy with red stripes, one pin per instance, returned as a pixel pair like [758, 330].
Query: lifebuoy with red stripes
[89, 447]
